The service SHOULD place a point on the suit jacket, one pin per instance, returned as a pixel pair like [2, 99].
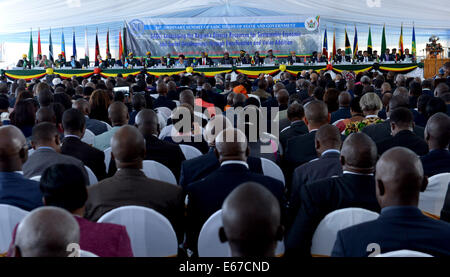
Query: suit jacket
[103, 141]
[262, 94]
[200, 167]
[291, 87]
[382, 131]
[406, 139]
[16, 190]
[321, 198]
[90, 156]
[207, 195]
[342, 113]
[292, 60]
[132, 187]
[227, 61]
[301, 149]
[397, 228]
[95, 126]
[208, 61]
[296, 129]
[445, 213]
[384, 57]
[167, 153]
[163, 101]
[436, 162]
[43, 158]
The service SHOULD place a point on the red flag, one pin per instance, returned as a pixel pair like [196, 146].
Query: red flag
[97, 48]
[120, 46]
[39, 43]
[107, 44]
[334, 44]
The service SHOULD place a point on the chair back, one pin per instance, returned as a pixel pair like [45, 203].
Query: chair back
[164, 111]
[151, 234]
[36, 178]
[107, 152]
[433, 198]
[158, 171]
[271, 169]
[326, 233]
[10, 216]
[190, 152]
[87, 254]
[108, 127]
[92, 178]
[404, 253]
[88, 137]
[30, 152]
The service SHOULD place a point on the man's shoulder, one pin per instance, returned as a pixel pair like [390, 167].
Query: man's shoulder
[301, 138]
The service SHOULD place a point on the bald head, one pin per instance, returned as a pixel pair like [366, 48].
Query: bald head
[214, 127]
[344, 99]
[251, 221]
[128, 147]
[45, 114]
[441, 89]
[359, 154]
[118, 114]
[46, 232]
[13, 149]
[83, 106]
[328, 137]
[399, 178]
[147, 122]
[231, 144]
[316, 113]
[437, 131]
[187, 97]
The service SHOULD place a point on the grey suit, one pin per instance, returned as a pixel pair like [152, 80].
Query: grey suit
[382, 131]
[43, 158]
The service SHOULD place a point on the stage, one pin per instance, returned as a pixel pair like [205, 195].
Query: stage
[250, 71]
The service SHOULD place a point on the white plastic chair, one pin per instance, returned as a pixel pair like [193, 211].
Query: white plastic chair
[92, 178]
[165, 112]
[10, 216]
[108, 127]
[433, 198]
[161, 120]
[209, 244]
[107, 152]
[190, 152]
[403, 254]
[30, 152]
[88, 137]
[151, 234]
[271, 169]
[325, 234]
[158, 171]
[177, 102]
[36, 178]
[87, 254]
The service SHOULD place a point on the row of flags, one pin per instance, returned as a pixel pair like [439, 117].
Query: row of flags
[348, 48]
[122, 46]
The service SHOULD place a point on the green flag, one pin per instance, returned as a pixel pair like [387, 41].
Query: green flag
[369, 43]
[383, 41]
[348, 47]
[30, 51]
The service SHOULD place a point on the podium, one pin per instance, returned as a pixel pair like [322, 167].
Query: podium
[432, 65]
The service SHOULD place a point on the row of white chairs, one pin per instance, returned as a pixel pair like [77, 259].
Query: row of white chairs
[152, 235]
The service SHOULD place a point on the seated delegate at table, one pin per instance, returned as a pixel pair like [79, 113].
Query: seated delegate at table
[226, 59]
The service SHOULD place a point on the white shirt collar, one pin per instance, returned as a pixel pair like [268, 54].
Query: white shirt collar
[71, 136]
[331, 151]
[313, 130]
[19, 172]
[371, 115]
[235, 162]
[354, 173]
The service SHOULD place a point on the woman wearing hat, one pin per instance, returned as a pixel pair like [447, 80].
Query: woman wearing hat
[23, 62]
[149, 62]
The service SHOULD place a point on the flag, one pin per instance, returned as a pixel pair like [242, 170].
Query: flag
[120, 46]
[125, 49]
[74, 46]
[30, 50]
[400, 42]
[50, 47]
[334, 43]
[369, 42]
[383, 41]
[39, 43]
[86, 47]
[107, 44]
[355, 44]
[325, 44]
[413, 50]
[63, 45]
[348, 48]
[97, 47]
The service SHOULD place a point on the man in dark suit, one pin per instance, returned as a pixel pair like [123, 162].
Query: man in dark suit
[226, 59]
[162, 100]
[93, 125]
[130, 186]
[164, 152]
[365, 57]
[402, 123]
[293, 58]
[356, 188]
[200, 167]
[74, 128]
[437, 136]
[344, 107]
[382, 131]
[205, 60]
[15, 189]
[328, 146]
[296, 115]
[46, 144]
[445, 213]
[301, 149]
[207, 195]
[401, 225]
[386, 56]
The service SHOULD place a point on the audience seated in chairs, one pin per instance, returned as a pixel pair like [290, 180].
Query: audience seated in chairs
[118, 114]
[95, 126]
[296, 115]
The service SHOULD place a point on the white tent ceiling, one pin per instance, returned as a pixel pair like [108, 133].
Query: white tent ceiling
[20, 15]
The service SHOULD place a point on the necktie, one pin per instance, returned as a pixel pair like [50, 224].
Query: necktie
[204, 61]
